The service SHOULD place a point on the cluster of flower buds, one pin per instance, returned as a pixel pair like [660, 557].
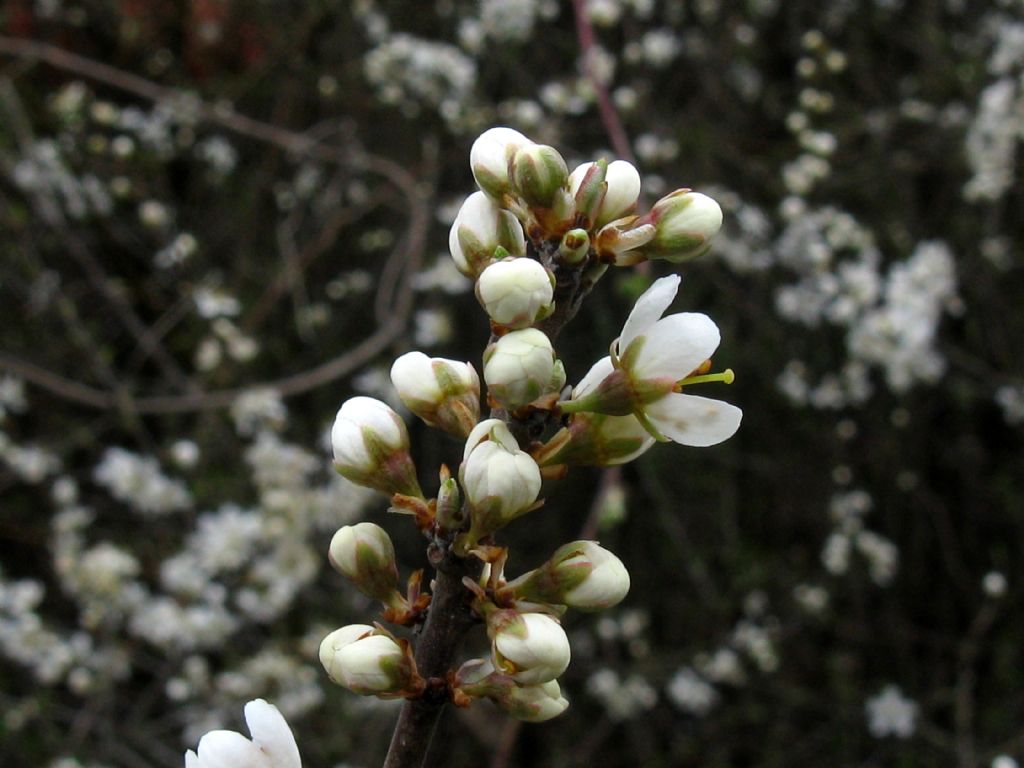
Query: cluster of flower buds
[534, 239]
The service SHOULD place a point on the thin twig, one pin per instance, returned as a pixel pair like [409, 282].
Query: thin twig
[609, 115]
[410, 248]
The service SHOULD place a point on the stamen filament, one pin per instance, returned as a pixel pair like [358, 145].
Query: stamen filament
[726, 377]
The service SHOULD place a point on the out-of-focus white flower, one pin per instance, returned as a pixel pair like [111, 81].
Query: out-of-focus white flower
[490, 156]
[656, 358]
[272, 744]
[444, 393]
[500, 480]
[479, 230]
[581, 574]
[364, 554]
[530, 648]
[516, 292]
[890, 713]
[371, 447]
[520, 367]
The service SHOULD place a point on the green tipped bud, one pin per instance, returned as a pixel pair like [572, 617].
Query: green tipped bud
[483, 232]
[364, 554]
[530, 703]
[444, 393]
[449, 505]
[594, 439]
[605, 192]
[588, 186]
[574, 246]
[580, 575]
[371, 447]
[685, 223]
[516, 292]
[519, 367]
[490, 157]
[538, 173]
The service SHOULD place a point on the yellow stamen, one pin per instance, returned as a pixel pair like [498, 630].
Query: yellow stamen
[726, 377]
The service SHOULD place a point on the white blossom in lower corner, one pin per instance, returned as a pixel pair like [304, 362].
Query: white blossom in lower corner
[272, 744]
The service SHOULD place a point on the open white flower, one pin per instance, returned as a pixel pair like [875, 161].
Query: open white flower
[655, 358]
[272, 744]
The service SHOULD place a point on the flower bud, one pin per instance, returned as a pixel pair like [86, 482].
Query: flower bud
[531, 703]
[530, 648]
[538, 173]
[444, 393]
[581, 575]
[364, 554]
[449, 505]
[371, 447]
[500, 481]
[479, 229]
[597, 440]
[621, 190]
[516, 292]
[519, 367]
[364, 662]
[623, 240]
[490, 157]
[574, 247]
[685, 223]
[588, 187]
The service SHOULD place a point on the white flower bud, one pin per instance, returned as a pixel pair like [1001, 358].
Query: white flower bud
[516, 292]
[531, 703]
[364, 554]
[272, 745]
[490, 156]
[622, 192]
[519, 367]
[685, 223]
[499, 480]
[479, 229]
[365, 663]
[581, 575]
[371, 447]
[538, 174]
[444, 393]
[595, 439]
[530, 648]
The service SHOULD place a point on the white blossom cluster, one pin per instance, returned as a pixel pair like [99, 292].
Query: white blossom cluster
[998, 125]
[847, 511]
[139, 482]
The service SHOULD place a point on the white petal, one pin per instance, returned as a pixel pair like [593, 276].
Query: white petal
[192, 760]
[270, 732]
[693, 420]
[649, 307]
[227, 749]
[675, 345]
[594, 376]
